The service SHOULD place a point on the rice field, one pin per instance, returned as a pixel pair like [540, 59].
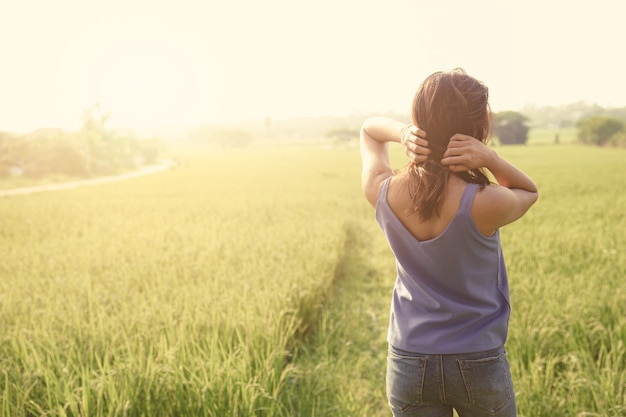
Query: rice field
[255, 282]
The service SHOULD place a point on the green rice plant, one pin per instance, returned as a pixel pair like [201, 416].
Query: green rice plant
[567, 283]
[256, 283]
[567, 272]
[182, 293]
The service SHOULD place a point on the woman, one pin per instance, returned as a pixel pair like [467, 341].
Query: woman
[441, 216]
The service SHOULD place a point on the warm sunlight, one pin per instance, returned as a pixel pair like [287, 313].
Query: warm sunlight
[186, 63]
[224, 208]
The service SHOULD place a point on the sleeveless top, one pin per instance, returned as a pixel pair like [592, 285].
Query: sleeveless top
[451, 293]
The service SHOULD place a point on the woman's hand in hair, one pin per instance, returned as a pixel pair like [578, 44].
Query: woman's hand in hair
[465, 153]
[414, 144]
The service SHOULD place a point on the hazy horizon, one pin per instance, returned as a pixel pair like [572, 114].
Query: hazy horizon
[176, 64]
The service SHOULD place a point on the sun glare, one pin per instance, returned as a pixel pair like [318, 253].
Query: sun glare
[190, 62]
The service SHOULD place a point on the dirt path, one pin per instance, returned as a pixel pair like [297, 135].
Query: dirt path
[94, 181]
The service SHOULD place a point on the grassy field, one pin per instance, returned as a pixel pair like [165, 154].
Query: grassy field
[256, 283]
[554, 136]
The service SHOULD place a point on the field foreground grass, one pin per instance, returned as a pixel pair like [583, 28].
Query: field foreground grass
[256, 283]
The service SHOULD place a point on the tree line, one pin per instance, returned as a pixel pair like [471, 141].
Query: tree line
[94, 150]
[595, 125]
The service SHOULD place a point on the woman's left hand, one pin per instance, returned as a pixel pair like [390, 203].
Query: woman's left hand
[465, 153]
[414, 144]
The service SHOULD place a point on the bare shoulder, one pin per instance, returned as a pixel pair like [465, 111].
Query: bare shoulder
[495, 206]
[491, 205]
[492, 195]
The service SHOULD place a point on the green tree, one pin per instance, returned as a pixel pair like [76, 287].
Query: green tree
[618, 139]
[599, 130]
[108, 151]
[510, 128]
[94, 135]
[11, 152]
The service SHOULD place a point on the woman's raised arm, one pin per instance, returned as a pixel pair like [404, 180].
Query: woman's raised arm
[376, 132]
[501, 204]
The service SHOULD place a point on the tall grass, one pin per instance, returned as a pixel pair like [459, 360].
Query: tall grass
[567, 273]
[256, 283]
[177, 294]
[569, 284]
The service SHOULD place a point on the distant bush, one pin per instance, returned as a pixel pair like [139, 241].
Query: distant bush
[602, 131]
[94, 150]
[618, 139]
[54, 157]
[510, 128]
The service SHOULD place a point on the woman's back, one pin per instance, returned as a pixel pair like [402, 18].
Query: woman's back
[451, 291]
[401, 202]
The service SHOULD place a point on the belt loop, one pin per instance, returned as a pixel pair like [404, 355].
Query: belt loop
[442, 384]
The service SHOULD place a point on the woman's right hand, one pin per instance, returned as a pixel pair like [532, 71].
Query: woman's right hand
[414, 144]
[465, 153]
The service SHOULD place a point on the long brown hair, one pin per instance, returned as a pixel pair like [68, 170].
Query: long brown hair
[445, 104]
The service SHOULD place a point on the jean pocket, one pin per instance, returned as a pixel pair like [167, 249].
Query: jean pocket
[405, 381]
[488, 382]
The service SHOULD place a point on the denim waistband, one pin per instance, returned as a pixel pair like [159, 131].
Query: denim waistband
[465, 355]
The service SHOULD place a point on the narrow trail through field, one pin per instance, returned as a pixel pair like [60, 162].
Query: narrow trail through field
[152, 169]
[344, 355]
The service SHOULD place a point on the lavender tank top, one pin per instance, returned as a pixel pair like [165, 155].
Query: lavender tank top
[451, 293]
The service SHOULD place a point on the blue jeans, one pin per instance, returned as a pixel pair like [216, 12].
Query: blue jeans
[474, 384]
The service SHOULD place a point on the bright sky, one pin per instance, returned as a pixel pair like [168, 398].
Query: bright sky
[165, 63]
